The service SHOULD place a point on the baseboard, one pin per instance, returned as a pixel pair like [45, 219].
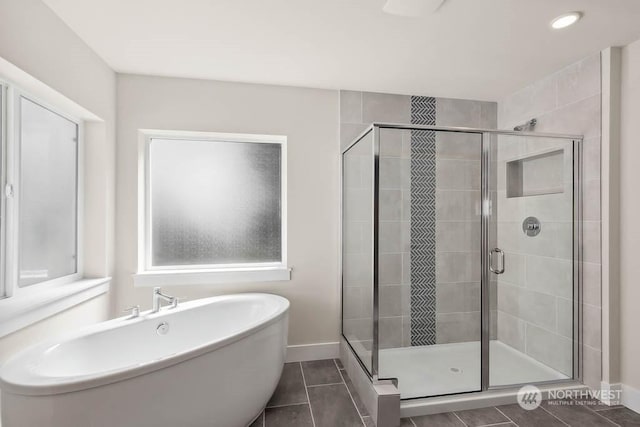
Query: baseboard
[631, 397]
[304, 352]
[610, 394]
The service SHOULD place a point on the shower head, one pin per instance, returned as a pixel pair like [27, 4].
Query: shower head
[526, 126]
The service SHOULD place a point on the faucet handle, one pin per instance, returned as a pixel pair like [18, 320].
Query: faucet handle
[134, 310]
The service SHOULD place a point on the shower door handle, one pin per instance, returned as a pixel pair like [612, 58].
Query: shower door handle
[501, 255]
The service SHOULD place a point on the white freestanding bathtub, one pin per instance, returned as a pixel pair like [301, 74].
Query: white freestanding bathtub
[209, 362]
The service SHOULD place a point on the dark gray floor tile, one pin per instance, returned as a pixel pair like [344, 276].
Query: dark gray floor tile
[288, 416]
[368, 422]
[332, 406]
[438, 420]
[622, 416]
[602, 407]
[594, 404]
[259, 422]
[318, 372]
[535, 418]
[406, 422]
[339, 363]
[356, 397]
[576, 415]
[481, 417]
[290, 389]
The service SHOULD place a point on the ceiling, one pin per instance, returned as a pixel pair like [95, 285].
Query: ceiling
[477, 49]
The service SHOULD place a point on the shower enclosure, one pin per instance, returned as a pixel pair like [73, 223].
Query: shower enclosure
[461, 257]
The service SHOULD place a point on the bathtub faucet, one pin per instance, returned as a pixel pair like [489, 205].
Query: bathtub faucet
[158, 297]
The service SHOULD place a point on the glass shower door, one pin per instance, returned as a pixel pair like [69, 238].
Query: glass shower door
[531, 259]
[429, 260]
[461, 257]
[357, 248]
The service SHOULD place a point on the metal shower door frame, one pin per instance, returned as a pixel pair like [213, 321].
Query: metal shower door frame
[486, 215]
[486, 241]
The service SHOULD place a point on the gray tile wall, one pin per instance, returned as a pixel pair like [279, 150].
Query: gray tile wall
[357, 278]
[457, 298]
[534, 304]
[458, 218]
[357, 111]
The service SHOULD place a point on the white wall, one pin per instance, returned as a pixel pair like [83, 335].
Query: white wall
[92, 311]
[309, 118]
[34, 39]
[629, 216]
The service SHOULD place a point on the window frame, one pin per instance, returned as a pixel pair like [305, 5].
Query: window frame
[11, 179]
[5, 290]
[149, 275]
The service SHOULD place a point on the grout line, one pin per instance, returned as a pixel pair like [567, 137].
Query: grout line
[554, 416]
[413, 422]
[588, 406]
[505, 415]
[322, 385]
[456, 415]
[598, 412]
[288, 404]
[304, 382]
[602, 416]
[529, 289]
[605, 409]
[497, 424]
[353, 401]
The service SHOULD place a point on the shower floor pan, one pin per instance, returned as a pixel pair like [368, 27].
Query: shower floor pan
[455, 368]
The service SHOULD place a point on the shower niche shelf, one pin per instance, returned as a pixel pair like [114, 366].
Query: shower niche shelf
[536, 174]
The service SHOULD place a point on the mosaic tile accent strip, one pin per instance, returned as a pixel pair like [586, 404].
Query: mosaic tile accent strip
[423, 223]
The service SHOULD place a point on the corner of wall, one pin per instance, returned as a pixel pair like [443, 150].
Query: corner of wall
[610, 188]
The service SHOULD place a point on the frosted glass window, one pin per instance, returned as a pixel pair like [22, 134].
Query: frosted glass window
[214, 203]
[47, 195]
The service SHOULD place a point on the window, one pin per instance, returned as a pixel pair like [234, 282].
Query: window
[48, 195]
[213, 208]
[41, 271]
[41, 224]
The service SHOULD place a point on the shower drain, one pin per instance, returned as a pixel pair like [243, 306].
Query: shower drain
[456, 370]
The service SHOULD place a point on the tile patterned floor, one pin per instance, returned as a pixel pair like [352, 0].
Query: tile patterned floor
[314, 394]
[547, 415]
[320, 394]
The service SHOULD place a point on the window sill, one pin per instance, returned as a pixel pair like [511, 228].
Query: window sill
[35, 304]
[211, 277]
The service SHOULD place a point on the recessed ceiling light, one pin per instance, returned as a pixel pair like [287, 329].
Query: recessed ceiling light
[563, 21]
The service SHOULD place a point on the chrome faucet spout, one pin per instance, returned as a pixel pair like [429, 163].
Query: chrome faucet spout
[158, 297]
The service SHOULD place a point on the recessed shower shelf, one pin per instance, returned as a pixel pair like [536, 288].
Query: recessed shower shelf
[535, 175]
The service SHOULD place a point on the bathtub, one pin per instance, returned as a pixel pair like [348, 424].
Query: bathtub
[209, 362]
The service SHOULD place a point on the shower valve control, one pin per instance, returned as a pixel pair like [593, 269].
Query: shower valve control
[531, 226]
